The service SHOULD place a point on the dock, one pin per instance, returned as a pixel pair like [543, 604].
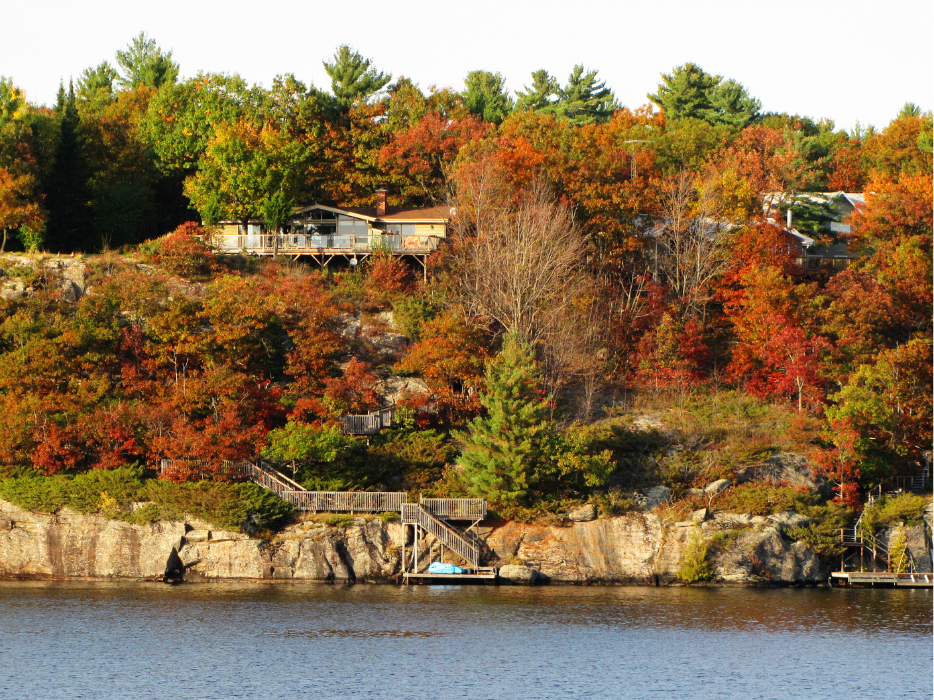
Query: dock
[480, 575]
[880, 579]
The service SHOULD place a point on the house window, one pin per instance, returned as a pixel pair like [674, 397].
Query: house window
[401, 229]
[347, 226]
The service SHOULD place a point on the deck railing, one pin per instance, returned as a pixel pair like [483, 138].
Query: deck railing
[316, 244]
[292, 492]
[415, 514]
[367, 424]
[456, 508]
[347, 501]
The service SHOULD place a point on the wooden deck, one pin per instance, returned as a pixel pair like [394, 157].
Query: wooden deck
[872, 579]
[480, 575]
[325, 246]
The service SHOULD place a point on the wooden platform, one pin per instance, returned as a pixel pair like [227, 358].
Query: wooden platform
[859, 579]
[482, 576]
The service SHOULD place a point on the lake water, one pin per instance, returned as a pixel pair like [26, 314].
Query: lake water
[122, 641]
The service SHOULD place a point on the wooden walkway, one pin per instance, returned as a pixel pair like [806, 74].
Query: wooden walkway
[432, 516]
[303, 500]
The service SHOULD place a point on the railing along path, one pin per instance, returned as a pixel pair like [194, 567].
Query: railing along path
[292, 492]
[456, 508]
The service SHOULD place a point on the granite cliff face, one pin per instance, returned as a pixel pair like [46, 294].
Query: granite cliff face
[73, 545]
[641, 548]
[637, 548]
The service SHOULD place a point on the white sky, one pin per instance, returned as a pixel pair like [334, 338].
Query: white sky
[847, 61]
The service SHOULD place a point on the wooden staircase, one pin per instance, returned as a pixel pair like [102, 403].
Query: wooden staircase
[459, 543]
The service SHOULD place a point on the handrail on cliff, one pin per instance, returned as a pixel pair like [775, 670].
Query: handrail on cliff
[304, 500]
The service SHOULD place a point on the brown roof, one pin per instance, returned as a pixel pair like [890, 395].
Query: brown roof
[439, 213]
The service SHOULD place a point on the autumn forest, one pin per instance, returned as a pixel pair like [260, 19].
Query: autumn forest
[622, 299]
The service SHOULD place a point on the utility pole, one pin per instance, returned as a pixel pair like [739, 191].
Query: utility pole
[632, 153]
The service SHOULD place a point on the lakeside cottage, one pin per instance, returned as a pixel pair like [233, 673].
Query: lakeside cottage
[323, 232]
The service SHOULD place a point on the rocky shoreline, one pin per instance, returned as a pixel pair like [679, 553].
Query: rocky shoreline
[634, 548]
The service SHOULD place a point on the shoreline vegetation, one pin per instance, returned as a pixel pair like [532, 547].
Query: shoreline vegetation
[682, 314]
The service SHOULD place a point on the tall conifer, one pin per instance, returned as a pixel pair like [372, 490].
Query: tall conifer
[505, 449]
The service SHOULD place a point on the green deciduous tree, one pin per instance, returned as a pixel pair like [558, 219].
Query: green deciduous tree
[504, 449]
[303, 446]
[485, 96]
[144, 63]
[241, 168]
[352, 76]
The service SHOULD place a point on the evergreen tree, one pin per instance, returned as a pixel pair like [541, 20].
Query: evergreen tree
[540, 95]
[144, 63]
[96, 85]
[505, 448]
[690, 92]
[909, 110]
[352, 77]
[584, 100]
[685, 92]
[731, 104]
[485, 96]
[68, 194]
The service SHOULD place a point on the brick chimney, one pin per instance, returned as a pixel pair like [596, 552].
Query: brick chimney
[381, 201]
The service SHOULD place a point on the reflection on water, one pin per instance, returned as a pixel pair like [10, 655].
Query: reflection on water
[129, 640]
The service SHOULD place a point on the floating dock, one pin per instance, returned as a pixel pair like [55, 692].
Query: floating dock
[881, 579]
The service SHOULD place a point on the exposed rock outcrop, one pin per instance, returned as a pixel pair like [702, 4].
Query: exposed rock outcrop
[69, 544]
[632, 548]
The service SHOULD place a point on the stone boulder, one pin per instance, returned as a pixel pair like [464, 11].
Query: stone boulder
[583, 514]
[717, 486]
[763, 555]
[656, 496]
[733, 519]
[519, 574]
[787, 519]
[788, 467]
[12, 289]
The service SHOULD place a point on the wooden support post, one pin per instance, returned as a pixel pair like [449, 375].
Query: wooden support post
[405, 532]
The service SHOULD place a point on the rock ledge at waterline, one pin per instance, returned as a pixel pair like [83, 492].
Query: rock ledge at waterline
[633, 548]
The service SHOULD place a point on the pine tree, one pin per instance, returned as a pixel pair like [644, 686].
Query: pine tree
[685, 92]
[540, 94]
[68, 193]
[352, 77]
[485, 96]
[690, 92]
[144, 63]
[584, 100]
[732, 104]
[505, 448]
[96, 85]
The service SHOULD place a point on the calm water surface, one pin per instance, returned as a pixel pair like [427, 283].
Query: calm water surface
[121, 641]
